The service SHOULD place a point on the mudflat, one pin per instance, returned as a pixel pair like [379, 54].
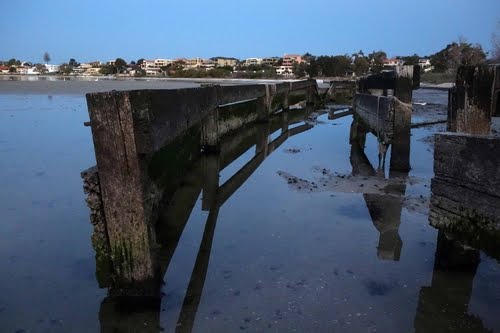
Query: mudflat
[79, 87]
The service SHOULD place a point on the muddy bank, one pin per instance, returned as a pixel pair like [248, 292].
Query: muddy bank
[58, 85]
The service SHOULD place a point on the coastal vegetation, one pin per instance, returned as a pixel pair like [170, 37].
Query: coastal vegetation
[436, 68]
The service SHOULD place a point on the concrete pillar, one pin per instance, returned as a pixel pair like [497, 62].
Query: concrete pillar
[210, 132]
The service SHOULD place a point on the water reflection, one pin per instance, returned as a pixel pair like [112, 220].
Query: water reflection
[134, 313]
[443, 306]
[385, 209]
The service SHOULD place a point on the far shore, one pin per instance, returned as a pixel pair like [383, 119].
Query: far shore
[78, 85]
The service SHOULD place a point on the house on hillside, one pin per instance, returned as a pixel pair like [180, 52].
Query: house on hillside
[253, 61]
[290, 59]
[393, 62]
[425, 64]
[223, 61]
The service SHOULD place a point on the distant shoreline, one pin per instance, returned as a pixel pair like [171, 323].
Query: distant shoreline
[22, 84]
[64, 85]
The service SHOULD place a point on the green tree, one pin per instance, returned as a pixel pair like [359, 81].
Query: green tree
[361, 66]
[46, 57]
[312, 68]
[40, 68]
[72, 62]
[12, 62]
[107, 70]
[334, 65]
[299, 69]
[12, 70]
[120, 65]
[456, 54]
[139, 72]
[411, 60]
[376, 60]
[65, 68]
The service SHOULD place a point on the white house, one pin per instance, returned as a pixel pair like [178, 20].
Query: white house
[253, 61]
[52, 68]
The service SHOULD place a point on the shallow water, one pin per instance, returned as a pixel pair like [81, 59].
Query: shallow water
[281, 258]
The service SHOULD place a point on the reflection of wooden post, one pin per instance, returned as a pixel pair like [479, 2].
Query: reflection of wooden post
[443, 306]
[129, 315]
[312, 96]
[284, 121]
[262, 140]
[211, 180]
[195, 288]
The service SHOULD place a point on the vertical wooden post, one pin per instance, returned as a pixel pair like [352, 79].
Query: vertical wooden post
[473, 107]
[124, 193]
[400, 150]
[403, 87]
[210, 132]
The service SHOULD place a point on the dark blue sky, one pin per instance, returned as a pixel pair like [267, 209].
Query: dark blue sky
[103, 30]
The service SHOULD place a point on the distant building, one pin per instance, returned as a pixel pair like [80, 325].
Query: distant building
[286, 71]
[162, 62]
[271, 61]
[148, 64]
[290, 59]
[95, 64]
[392, 62]
[92, 71]
[111, 63]
[21, 70]
[85, 65]
[152, 71]
[223, 61]
[425, 65]
[4, 69]
[52, 68]
[195, 62]
[253, 61]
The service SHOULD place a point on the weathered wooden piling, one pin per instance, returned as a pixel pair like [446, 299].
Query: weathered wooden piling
[390, 120]
[144, 141]
[473, 100]
[402, 80]
[466, 186]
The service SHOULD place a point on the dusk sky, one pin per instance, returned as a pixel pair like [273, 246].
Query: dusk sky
[103, 30]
